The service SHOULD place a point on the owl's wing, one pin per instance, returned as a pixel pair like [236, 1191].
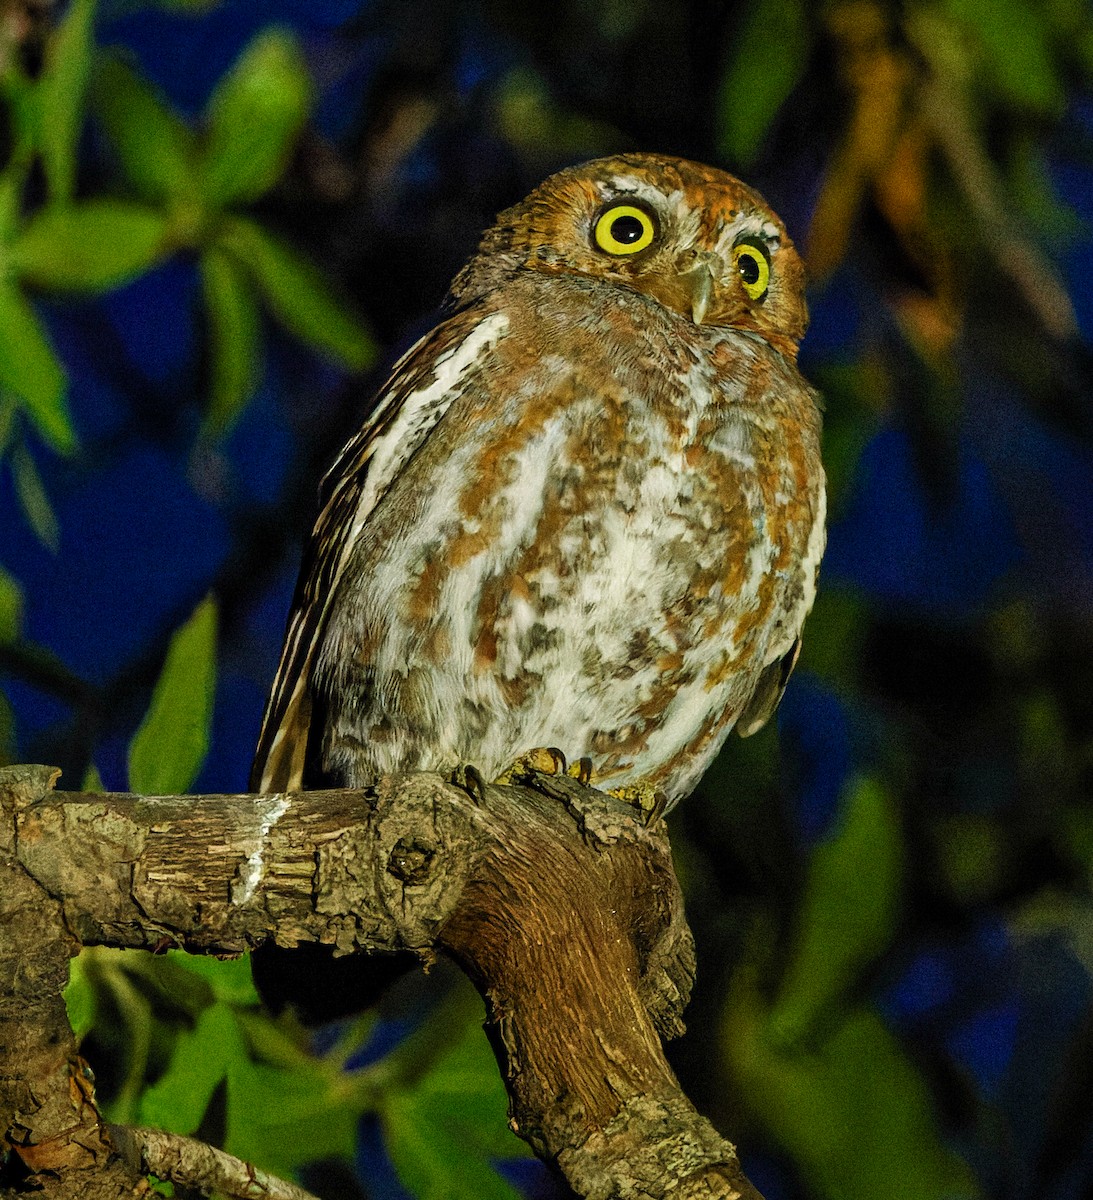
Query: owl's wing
[768, 692]
[422, 387]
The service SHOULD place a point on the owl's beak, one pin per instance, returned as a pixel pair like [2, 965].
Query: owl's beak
[698, 288]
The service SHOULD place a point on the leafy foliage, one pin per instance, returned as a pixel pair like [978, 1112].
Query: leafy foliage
[29, 370]
[88, 247]
[61, 89]
[849, 906]
[185, 183]
[444, 1127]
[169, 747]
[254, 117]
[770, 53]
[200, 1054]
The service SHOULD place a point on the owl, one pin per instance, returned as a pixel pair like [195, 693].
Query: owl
[586, 511]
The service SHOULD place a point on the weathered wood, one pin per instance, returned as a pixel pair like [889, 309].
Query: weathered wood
[559, 902]
[51, 1136]
[219, 874]
[183, 1160]
[581, 949]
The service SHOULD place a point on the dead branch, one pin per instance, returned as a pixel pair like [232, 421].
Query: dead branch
[559, 903]
[186, 1161]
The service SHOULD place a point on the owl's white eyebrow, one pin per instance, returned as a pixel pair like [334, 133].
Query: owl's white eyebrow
[750, 224]
[630, 185]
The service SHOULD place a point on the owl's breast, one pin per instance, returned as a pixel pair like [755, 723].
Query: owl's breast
[594, 549]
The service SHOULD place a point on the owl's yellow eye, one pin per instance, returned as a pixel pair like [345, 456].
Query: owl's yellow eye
[753, 266]
[624, 229]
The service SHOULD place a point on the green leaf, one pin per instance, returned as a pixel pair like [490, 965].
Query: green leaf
[296, 293]
[463, 1088]
[835, 631]
[974, 855]
[29, 368]
[11, 607]
[254, 117]
[233, 339]
[175, 990]
[200, 1060]
[92, 780]
[443, 1130]
[33, 499]
[23, 100]
[432, 1161]
[286, 1107]
[853, 1112]
[1015, 41]
[848, 911]
[129, 1030]
[63, 85]
[283, 1042]
[168, 749]
[79, 996]
[89, 247]
[11, 197]
[154, 145]
[281, 1119]
[1059, 916]
[1033, 190]
[767, 60]
[229, 978]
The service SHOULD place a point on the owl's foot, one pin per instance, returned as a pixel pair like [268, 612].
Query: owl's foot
[648, 799]
[581, 771]
[468, 777]
[546, 760]
[543, 760]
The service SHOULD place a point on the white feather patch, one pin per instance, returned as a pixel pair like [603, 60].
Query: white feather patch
[420, 411]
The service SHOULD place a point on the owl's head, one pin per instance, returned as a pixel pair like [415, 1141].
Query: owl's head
[696, 239]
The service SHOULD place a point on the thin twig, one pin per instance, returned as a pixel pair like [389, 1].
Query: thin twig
[195, 1165]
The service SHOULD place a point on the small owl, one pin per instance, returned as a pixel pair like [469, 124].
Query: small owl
[586, 511]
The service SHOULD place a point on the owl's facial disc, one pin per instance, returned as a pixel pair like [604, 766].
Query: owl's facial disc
[701, 243]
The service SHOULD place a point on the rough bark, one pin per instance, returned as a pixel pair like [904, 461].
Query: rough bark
[561, 905]
[50, 1131]
[183, 1160]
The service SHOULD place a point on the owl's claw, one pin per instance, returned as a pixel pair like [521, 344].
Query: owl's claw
[543, 760]
[648, 799]
[581, 771]
[469, 778]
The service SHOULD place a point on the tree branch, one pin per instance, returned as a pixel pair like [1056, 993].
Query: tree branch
[559, 903]
[191, 1163]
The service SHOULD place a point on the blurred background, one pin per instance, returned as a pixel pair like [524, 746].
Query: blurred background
[222, 221]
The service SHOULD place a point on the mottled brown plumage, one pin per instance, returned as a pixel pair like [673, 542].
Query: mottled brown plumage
[587, 510]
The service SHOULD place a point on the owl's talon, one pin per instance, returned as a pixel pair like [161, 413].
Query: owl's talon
[543, 760]
[560, 764]
[581, 770]
[469, 778]
[660, 804]
[649, 800]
